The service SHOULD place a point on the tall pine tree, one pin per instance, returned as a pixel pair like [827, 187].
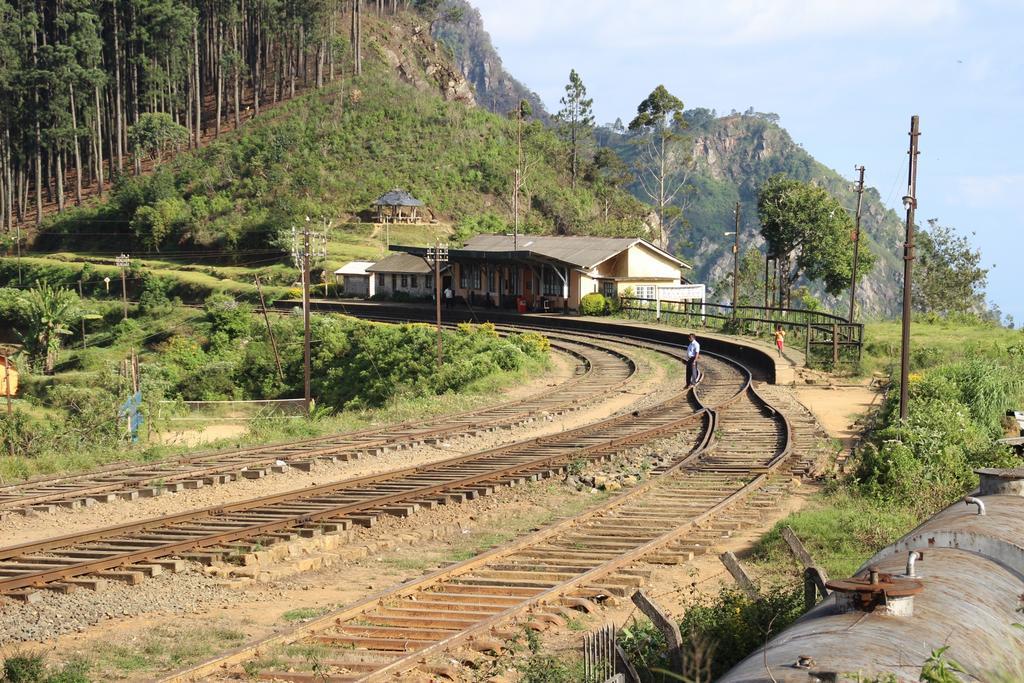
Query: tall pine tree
[576, 121]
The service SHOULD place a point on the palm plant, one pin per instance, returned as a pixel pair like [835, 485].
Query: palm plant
[50, 311]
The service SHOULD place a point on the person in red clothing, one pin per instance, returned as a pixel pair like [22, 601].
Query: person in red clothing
[780, 339]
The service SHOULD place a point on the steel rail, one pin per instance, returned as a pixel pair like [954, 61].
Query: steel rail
[570, 448]
[386, 436]
[691, 463]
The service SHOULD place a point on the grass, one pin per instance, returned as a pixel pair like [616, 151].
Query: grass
[840, 530]
[304, 613]
[935, 341]
[160, 649]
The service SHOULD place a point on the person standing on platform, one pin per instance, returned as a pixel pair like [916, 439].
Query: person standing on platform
[780, 339]
[692, 355]
[448, 296]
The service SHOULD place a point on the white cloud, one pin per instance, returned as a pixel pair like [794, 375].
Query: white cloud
[640, 23]
[991, 191]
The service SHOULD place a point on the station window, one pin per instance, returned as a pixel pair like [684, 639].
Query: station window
[414, 282]
[405, 281]
[551, 283]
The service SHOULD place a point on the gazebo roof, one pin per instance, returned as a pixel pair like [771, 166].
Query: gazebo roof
[397, 197]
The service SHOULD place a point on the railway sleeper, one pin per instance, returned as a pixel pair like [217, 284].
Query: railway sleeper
[369, 643]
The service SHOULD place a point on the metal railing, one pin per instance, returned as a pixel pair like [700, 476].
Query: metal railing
[827, 340]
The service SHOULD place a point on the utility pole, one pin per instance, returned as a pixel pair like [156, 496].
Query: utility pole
[313, 246]
[270, 330]
[735, 262]
[766, 257]
[438, 255]
[910, 202]
[123, 262]
[17, 244]
[82, 296]
[856, 240]
[7, 384]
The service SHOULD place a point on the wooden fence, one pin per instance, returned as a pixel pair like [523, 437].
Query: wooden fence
[827, 340]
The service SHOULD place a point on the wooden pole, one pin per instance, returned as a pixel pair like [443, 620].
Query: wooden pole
[910, 202]
[7, 385]
[307, 368]
[270, 330]
[82, 296]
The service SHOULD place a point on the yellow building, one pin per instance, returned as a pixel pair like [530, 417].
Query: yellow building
[554, 272]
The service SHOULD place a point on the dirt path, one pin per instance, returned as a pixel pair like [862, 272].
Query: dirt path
[839, 409]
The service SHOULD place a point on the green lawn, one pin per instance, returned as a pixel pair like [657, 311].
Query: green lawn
[935, 341]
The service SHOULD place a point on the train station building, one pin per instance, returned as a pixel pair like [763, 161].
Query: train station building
[544, 272]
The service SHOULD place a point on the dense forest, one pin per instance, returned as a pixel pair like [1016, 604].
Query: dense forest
[94, 88]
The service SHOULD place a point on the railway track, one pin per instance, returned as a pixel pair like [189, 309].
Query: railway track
[131, 550]
[600, 371]
[535, 580]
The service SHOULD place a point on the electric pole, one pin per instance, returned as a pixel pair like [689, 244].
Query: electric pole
[910, 202]
[438, 255]
[735, 261]
[7, 385]
[82, 297]
[312, 246]
[856, 240]
[122, 262]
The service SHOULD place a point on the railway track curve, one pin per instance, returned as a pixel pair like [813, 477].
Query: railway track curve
[144, 547]
[600, 370]
[539, 577]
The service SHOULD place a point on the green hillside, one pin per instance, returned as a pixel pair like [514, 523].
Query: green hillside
[329, 154]
[733, 156]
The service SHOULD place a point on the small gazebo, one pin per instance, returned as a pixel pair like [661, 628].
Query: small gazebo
[397, 206]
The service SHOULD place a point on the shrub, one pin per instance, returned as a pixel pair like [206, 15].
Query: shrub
[593, 304]
[718, 631]
[533, 344]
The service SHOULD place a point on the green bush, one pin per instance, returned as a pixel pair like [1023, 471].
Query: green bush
[32, 668]
[718, 631]
[593, 304]
[954, 415]
[550, 669]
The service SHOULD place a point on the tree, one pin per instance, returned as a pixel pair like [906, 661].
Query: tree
[155, 135]
[521, 115]
[663, 166]
[809, 234]
[50, 312]
[947, 274]
[751, 283]
[439, 11]
[575, 120]
[608, 173]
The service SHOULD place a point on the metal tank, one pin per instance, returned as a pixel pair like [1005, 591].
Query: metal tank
[957, 581]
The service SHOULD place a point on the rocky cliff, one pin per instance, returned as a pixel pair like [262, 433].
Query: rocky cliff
[474, 54]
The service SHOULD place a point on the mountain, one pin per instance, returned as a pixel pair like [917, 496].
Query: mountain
[478, 60]
[733, 156]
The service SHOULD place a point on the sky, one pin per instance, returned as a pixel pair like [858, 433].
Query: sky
[845, 78]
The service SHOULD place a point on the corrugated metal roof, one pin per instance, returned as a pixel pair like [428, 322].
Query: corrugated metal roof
[354, 268]
[580, 251]
[397, 197]
[401, 263]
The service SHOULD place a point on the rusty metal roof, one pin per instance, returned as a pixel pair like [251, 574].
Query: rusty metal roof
[576, 250]
[401, 263]
[397, 197]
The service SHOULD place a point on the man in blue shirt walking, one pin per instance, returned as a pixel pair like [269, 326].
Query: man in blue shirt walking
[692, 354]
